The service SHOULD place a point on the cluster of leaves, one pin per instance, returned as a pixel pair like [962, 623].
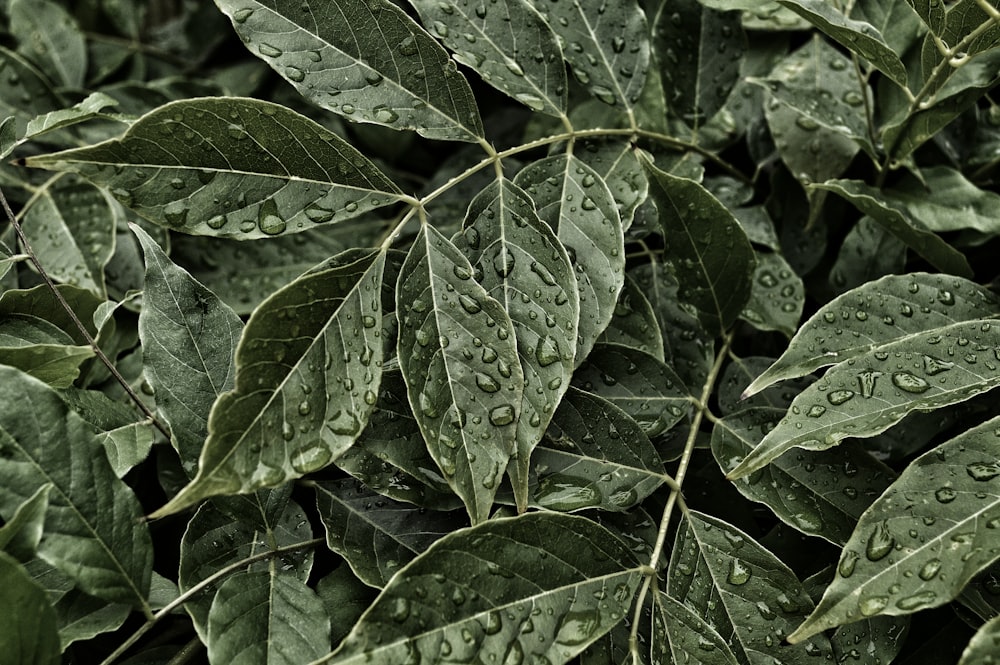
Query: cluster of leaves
[401, 381]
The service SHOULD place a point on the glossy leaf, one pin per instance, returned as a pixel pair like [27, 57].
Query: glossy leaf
[126, 439]
[703, 49]
[649, 391]
[741, 590]
[874, 314]
[819, 493]
[458, 354]
[871, 392]
[28, 635]
[345, 598]
[617, 163]
[738, 374]
[49, 36]
[308, 368]
[36, 347]
[375, 535]
[93, 531]
[225, 531]
[22, 529]
[708, 246]
[859, 37]
[595, 457]
[960, 20]
[923, 540]
[180, 318]
[231, 167]
[262, 617]
[931, 13]
[867, 253]
[607, 46]
[488, 591]
[634, 322]
[90, 108]
[776, 297]
[508, 44]
[519, 261]
[365, 60]
[575, 201]
[24, 92]
[983, 645]
[945, 201]
[689, 638]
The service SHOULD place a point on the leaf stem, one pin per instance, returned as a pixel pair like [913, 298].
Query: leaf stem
[29, 250]
[676, 498]
[201, 586]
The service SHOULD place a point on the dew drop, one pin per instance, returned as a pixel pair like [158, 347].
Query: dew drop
[547, 351]
[880, 542]
[847, 563]
[739, 573]
[241, 15]
[487, 383]
[502, 415]
[945, 494]
[930, 570]
[909, 383]
[838, 397]
[917, 600]
[311, 459]
[983, 471]
[872, 605]
[269, 51]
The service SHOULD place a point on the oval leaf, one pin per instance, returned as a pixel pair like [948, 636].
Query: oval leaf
[869, 394]
[28, 635]
[459, 358]
[363, 59]
[690, 638]
[537, 587]
[308, 369]
[229, 166]
[924, 539]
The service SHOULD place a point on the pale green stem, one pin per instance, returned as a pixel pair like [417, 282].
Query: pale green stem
[675, 495]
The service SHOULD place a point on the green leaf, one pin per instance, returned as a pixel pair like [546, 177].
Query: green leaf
[520, 262]
[575, 201]
[873, 391]
[28, 635]
[859, 37]
[22, 531]
[945, 201]
[642, 386]
[797, 485]
[874, 314]
[126, 441]
[867, 253]
[896, 20]
[41, 349]
[634, 322]
[363, 59]
[707, 245]
[72, 229]
[308, 368]
[90, 108]
[345, 598]
[931, 12]
[181, 319]
[541, 585]
[231, 167]
[227, 530]
[738, 374]
[607, 46]
[595, 456]
[375, 535]
[49, 36]
[616, 162]
[509, 45]
[690, 638]
[961, 19]
[24, 91]
[741, 590]
[776, 297]
[923, 540]
[458, 353]
[267, 618]
[93, 530]
[983, 645]
[703, 49]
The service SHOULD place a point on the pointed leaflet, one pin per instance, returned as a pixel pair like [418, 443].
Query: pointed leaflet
[93, 530]
[72, 230]
[48, 35]
[776, 297]
[22, 530]
[39, 348]
[607, 45]
[24, 92]
[859, 37]
[520, 262]
[308, 369]
[458, 354]
[741, 590]
[28, 635]
[895, 219]
[819, 493]
[595, 457]
[89, 108]
[575, 201]
[870, 393]
[703, 49]
[363, 59]
[982, 647]
[616, 162]
[375, 535]
[266, 618]
[508, 44]
[181, 319]
[534, 588]
[867, 253]
[877, 313]
[931, 12]
[634, 323]
[346, 598]
[233, 167]
[708, 247]
[737, 375]
[924, 539]
[227, 530]
[961, 19]
[689, 638]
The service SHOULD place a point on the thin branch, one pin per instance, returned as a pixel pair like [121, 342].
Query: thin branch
[29, 250]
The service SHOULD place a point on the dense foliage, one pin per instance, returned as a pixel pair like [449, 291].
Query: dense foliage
[500, 331]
